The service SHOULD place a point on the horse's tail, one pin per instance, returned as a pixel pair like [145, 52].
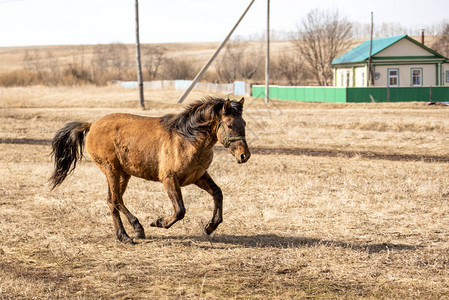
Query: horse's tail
[68, 146]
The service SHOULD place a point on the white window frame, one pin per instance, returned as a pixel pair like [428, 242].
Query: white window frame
[393, 76]
[447, 76]
[412, 77]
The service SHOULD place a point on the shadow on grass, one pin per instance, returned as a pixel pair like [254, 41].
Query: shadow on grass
[286, 151]
[275, 241]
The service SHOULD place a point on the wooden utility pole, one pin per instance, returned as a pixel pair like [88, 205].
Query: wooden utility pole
[370, 71]
[267, 58]
[203, 70]
[139, 64]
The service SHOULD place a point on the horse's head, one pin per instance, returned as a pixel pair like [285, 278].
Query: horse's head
[231, 130]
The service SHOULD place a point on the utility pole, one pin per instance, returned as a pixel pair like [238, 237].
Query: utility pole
[139, 64]
[370, 71]
[267, 57]
[200, 73]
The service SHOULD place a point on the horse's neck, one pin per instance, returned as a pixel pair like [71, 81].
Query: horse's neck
[206, 143]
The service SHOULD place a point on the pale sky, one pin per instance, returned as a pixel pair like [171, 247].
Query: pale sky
[62, 22]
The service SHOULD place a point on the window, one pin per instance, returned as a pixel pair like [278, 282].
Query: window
[348, 76]
[342, 79]
[447, 76]
[393, 77]
[416, 75]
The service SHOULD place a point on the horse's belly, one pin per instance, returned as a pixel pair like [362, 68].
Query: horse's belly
[140, 166]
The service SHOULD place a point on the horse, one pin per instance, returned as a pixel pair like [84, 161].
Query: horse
[175, 149]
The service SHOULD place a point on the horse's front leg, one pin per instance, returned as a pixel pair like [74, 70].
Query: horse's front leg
[206, 183]
[173, 189]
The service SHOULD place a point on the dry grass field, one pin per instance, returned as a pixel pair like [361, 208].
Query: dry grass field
[13, 58]
[338, 201]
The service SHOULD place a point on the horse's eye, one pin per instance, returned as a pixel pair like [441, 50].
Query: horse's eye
[229, 126]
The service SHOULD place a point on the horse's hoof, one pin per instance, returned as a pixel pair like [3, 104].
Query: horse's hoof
[126, 239]
[209, 229]
[130, 241]
[140, 235]
[157, 223]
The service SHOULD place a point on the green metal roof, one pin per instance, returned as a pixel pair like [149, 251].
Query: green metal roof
[361, 52]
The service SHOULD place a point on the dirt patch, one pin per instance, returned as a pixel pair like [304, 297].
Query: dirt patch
[25, 141]
[349, 154]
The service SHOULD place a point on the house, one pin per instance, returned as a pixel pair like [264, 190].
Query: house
[398, 61]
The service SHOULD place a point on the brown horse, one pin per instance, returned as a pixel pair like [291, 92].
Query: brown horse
[175, 150]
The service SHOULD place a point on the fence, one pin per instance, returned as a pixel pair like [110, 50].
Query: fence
[352, 94]
[238, 88]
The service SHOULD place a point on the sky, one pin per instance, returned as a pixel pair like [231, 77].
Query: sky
[71, 22]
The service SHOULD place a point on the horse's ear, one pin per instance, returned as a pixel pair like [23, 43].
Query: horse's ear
[242, 101]
[226, 105]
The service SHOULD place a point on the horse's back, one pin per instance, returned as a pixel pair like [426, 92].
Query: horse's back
[127, 142]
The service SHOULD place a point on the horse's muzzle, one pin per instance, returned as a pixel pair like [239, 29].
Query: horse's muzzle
[241, 153]
[243, 158]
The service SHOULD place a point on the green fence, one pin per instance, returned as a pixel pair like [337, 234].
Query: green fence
[312, 94]
[353, 94]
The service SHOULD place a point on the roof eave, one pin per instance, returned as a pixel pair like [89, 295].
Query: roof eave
[350, 63]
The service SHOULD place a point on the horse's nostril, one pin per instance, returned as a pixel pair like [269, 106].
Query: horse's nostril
[242, 156]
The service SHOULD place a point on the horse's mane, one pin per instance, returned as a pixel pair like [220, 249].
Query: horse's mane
[197, 119]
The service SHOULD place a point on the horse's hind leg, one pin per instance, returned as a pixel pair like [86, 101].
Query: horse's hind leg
[206, 183]
[117, 182]
[114, 196]
[138, 229]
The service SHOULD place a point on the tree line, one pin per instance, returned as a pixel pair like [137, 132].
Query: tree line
[319, 38]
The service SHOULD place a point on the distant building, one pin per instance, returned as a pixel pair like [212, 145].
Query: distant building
[398, 61]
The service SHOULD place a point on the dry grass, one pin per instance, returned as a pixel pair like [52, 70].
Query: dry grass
[295, 226]
[12, 58]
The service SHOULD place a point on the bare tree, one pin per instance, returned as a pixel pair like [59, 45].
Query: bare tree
[251, 66]
[119, 58]
[27, 60]
[33, 61]
[238, 63]
[227, 66]
[322, 36]
[291, 68]
[177, 68]
[54, 76]
[441, 44]
[100, 62]
[153, 59]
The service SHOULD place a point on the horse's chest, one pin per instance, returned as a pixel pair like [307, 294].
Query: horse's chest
[194, 168]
